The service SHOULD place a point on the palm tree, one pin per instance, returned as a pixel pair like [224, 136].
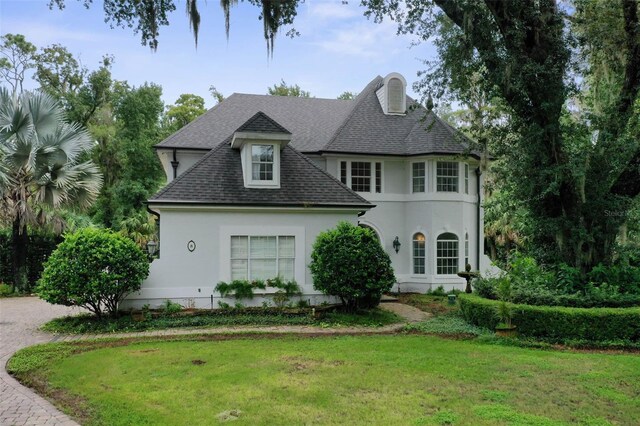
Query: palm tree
[40, 166]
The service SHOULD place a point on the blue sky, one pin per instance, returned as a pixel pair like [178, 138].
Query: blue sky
[338, 49]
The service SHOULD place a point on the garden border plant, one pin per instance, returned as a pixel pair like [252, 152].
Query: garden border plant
[94, 269]
[557, 323]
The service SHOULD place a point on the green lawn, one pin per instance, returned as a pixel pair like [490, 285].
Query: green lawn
[391, 379]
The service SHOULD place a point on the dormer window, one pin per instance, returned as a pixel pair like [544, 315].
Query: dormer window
[261, 141]
[262, 160]
[392, 95]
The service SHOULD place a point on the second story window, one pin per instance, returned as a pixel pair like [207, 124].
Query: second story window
[361, 176]
[447, 176]
[418, 177]
[466, 178]
[262, 162]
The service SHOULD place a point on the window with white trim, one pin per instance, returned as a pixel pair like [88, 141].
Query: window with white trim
[447, 176]
[447, 254]
[466, 249]
[361, 176]
[418, 177]
[419, 254]
[262, 257]
[466, 178]
[262, 160]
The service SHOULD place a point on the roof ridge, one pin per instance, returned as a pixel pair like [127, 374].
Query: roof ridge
[198, 118]
[190, 169]
[258, 115]
[305, 158]
[357, 101]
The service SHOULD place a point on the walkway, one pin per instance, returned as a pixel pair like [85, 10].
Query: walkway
[21, 317]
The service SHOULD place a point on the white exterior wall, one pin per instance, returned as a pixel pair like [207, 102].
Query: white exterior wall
[189, 277]
[186, 159]
[401, 213]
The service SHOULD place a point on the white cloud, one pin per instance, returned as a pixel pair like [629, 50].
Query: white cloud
[364, 39]
[332, 10]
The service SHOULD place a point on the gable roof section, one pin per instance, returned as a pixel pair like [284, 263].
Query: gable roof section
[262, 123]
[311, 121]
[217, 180]
[369, 131]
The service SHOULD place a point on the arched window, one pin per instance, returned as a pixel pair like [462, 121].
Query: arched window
[466, 249]
[447, 254]
[419, 254]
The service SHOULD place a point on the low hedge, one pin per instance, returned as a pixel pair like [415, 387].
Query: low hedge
[553, 322]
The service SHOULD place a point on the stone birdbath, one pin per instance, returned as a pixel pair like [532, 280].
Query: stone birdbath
[468, 275]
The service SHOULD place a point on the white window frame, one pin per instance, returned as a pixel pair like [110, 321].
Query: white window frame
[372, 174]
[248, 166]
[223, 270]
[457, 176]
[423, 177]
[414, 240]
[466, 249]
[276, 258]
[466, 178]
[450, 270]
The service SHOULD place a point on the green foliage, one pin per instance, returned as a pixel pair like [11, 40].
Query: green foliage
[348, 262]
[227, 316]
[95, 269]
[5, 289]
[170, 308]
[439, 291]
[448, 325]
[16, 57]
[283, 89]
[346, 96]
[188, 107]
[243, 289]
[39, 247]
[562, 285]
[593, 324]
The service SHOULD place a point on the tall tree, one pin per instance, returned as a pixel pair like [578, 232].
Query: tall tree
[283, 89]
[347, 95]
[40, 165]
[187, 108]
[146, 17]
[16, 57]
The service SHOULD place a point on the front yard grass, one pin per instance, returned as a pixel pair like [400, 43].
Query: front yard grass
[389, 379]
[219, 318]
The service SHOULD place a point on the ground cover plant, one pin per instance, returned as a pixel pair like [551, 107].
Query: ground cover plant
[397, 379]
[220, 318]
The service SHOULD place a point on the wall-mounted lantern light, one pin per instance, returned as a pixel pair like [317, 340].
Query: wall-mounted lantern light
[396, 244]
[152, 248]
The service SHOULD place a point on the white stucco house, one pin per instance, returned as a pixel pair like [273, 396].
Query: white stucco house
[253, 181]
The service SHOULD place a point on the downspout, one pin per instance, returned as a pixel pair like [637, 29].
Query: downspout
[480, 231]
[157, 215]
[175, 163]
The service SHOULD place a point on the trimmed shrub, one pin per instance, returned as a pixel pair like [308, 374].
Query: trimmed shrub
[349, 262]
[594, 324]
[94, 269]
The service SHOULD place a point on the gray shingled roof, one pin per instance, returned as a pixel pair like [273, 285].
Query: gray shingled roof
[369, 131]
[217, 180]
[356, 126]
[312, 121]
[262, 123]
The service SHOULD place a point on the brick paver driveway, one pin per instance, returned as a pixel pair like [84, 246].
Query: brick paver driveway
[20, 318]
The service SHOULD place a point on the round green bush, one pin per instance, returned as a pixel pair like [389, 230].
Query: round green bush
[349, 262]
[94, 269]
